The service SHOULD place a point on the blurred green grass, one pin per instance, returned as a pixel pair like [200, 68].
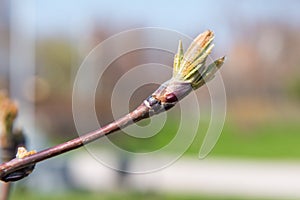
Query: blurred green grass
[273, 139]
[79, 195]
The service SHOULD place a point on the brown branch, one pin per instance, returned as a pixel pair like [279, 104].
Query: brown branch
[190, 72]
[16, 164]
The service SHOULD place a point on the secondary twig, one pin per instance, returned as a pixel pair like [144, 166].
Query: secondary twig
[9, 139]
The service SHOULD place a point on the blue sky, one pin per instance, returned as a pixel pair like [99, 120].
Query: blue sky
[186, 16]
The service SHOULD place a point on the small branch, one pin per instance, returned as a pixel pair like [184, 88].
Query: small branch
[16, 164]
[190, 72]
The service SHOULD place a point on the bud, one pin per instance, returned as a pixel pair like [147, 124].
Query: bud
[22, 153]
[189, 73]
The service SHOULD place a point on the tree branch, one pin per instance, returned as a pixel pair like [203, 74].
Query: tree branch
[16, 164]
[190, 72]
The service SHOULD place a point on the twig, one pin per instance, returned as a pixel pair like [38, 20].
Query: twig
[190, 72]
[16, 164]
